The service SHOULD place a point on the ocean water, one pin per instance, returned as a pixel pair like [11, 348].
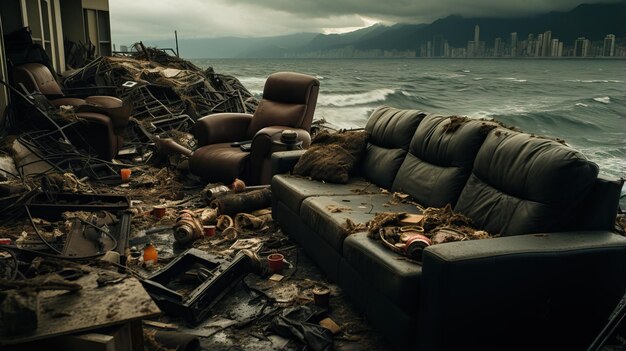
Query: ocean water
[580, 101]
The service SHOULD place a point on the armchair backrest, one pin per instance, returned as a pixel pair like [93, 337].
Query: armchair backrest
[37, 77]
[289, 100]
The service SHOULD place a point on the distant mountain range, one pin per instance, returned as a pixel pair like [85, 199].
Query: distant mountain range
[592, 21]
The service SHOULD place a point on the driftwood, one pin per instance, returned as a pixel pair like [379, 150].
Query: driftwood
[231, 204]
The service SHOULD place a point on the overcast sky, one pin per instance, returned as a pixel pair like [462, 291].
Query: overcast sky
[134, 20]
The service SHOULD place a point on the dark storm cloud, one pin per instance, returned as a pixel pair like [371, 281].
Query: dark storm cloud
[133, 20]
[422, 11]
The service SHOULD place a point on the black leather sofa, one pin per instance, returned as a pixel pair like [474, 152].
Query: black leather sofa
[549, 282]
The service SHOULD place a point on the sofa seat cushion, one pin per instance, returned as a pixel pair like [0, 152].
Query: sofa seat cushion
[292, 190]
[397, 279]
[440, 159]
[390, 131]
[317, 213]
[524, 184]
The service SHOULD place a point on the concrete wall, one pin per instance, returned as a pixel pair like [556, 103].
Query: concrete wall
[102, 5]
[72, 18]
[11, 13]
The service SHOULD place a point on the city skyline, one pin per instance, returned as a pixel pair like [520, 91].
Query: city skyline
[541, 45]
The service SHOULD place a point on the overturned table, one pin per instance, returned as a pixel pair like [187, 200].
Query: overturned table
[117, 304]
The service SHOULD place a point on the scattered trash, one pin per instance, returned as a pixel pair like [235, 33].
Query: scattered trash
[209, 230]
[194, 282]
[298, 322]
[276, 277]
[104, 226]
[276, 263]
[188, 227]
[172, 340]
[150, 255]
[321, 296]
[330, 324]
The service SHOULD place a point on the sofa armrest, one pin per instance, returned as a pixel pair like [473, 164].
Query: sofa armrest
[222, 128]
[284, 161]
[535, 291]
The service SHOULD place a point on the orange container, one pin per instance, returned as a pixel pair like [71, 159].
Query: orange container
[125, 174]
[150, 254]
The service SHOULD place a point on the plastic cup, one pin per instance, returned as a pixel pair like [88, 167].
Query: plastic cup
[321, 296]
[209, 230]
[276, 264]
[158, 211]
[125, 174]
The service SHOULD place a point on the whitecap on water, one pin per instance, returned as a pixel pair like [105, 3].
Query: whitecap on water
[604, 99]
[253, 84]
[512, 79]
[340, 100]
[594, 81]
[582, 105]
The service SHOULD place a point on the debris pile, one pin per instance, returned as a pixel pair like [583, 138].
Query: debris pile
[87, 243]
[164, 86]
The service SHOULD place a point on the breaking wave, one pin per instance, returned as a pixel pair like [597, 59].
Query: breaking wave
[604, 99]
[341, 100]
[594, 81]
[253, 84]
[512, 79]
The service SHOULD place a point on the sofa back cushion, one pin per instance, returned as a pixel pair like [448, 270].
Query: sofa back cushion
[440, 159]
[390, 131]
[525, 184]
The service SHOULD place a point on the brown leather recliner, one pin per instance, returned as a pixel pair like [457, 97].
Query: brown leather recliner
[105, 117]
[288, 102]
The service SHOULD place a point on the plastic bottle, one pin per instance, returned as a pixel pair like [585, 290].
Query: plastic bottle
[150, 254]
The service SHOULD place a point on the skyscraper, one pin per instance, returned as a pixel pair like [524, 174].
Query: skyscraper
[609, 45]
[538, 45]
[438, 46]
[554, 48]
[497, 47]
[476, 34]
[546, 45]
[581, 46]
[514, 44]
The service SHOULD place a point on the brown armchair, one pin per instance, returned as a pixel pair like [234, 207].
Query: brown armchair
[105, 117]
[288, 102]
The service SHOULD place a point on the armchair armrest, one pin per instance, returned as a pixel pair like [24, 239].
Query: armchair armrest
[82, 92]
[535, 291]
[264, 140]
[222, 128]
[267, 141]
